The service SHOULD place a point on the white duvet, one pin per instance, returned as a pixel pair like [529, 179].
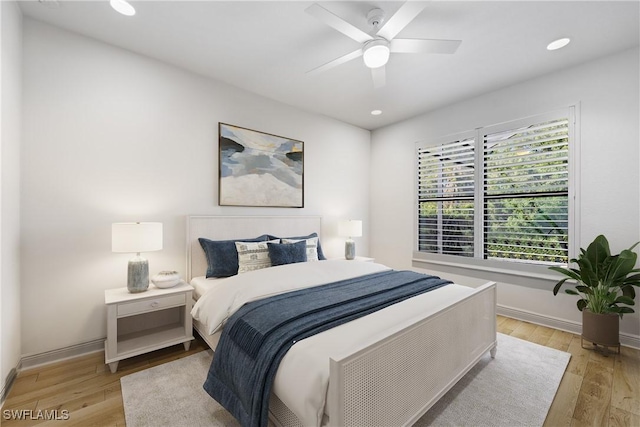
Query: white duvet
[302, 380]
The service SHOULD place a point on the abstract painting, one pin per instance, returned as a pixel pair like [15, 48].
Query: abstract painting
[259, 169]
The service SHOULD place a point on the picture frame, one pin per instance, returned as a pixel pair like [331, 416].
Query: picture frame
[259, 169]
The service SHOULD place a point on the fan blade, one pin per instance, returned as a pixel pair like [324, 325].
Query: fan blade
[345, 58]
[379, 77]
[401, 19]
[338, 23]
[424, 46]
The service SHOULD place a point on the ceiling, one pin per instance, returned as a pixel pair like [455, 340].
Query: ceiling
[266, 47]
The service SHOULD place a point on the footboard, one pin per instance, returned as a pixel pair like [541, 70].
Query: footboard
[395, 381]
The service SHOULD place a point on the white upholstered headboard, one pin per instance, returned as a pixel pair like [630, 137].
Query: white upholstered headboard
[240, 227]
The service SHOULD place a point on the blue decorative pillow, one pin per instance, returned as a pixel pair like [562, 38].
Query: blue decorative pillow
[320, 253]
[222, 257]
[312, 247]
[287, 253]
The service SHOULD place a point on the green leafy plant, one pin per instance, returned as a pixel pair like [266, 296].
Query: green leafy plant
[605, 282]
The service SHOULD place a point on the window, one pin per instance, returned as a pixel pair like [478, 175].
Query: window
[499, 193]
[446, 193]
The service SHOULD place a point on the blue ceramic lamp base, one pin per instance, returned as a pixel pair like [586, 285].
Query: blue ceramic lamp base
[138, 275]
[350, 249]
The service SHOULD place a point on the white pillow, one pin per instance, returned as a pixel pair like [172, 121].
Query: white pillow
[253, 255]
[312, 247]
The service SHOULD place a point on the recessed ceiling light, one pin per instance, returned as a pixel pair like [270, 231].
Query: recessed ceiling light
[123, 7]
[376, 112]
[557, 44]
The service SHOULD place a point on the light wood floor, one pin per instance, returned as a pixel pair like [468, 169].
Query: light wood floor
[595, 390]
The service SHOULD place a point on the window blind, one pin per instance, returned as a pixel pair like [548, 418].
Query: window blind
[526, 184]
[500, 192]
[446, 187]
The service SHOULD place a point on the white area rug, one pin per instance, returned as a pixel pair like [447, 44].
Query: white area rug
[514, 389]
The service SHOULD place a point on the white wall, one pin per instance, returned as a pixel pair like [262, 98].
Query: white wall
[608, 93]
[10, 136]
[112, 136]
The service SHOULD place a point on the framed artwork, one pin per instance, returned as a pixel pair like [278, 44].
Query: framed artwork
[259, 169]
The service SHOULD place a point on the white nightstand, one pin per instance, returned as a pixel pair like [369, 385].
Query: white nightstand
[146, 321]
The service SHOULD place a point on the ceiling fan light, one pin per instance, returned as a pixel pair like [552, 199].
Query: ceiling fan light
[376, 53]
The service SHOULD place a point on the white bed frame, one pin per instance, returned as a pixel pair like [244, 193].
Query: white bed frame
[392, 382]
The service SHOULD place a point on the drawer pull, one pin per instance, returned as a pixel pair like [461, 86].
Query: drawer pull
[151, 304]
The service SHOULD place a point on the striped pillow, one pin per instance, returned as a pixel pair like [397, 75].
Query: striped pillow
[253, 255]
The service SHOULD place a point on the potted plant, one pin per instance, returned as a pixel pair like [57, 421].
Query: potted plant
[605, 285]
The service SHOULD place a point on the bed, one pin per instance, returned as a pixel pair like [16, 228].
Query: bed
[392, 374]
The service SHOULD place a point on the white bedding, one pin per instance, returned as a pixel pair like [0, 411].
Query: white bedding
[301, 382]
[201, 285]
[228, 295]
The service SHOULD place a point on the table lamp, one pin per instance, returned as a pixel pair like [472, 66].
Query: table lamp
[350, 228]
[136, 237]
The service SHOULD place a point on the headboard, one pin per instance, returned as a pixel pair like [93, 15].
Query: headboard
[239, 227]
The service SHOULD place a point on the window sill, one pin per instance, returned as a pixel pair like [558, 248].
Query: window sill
[521, 274]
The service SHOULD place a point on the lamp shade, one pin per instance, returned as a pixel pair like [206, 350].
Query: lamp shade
[350, 228]
[136, 237]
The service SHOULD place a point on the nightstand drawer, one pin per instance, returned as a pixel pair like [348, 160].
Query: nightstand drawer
[127, 309]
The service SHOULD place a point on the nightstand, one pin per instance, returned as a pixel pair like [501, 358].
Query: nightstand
[142, 322]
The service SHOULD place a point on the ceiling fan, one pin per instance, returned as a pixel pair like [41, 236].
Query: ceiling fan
[377, 46]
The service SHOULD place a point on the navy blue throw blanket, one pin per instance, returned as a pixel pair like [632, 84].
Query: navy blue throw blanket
[257, 336]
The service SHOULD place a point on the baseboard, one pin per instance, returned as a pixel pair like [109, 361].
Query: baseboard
[8, 383]
[39, 359]
[628, 340]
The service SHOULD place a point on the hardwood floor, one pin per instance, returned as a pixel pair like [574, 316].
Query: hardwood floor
[596, 390]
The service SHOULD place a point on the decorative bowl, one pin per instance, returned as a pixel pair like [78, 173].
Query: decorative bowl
[166, 279]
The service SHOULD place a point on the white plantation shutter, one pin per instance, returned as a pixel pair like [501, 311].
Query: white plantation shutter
[526, 185]
[445, 193]
[500, 192]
